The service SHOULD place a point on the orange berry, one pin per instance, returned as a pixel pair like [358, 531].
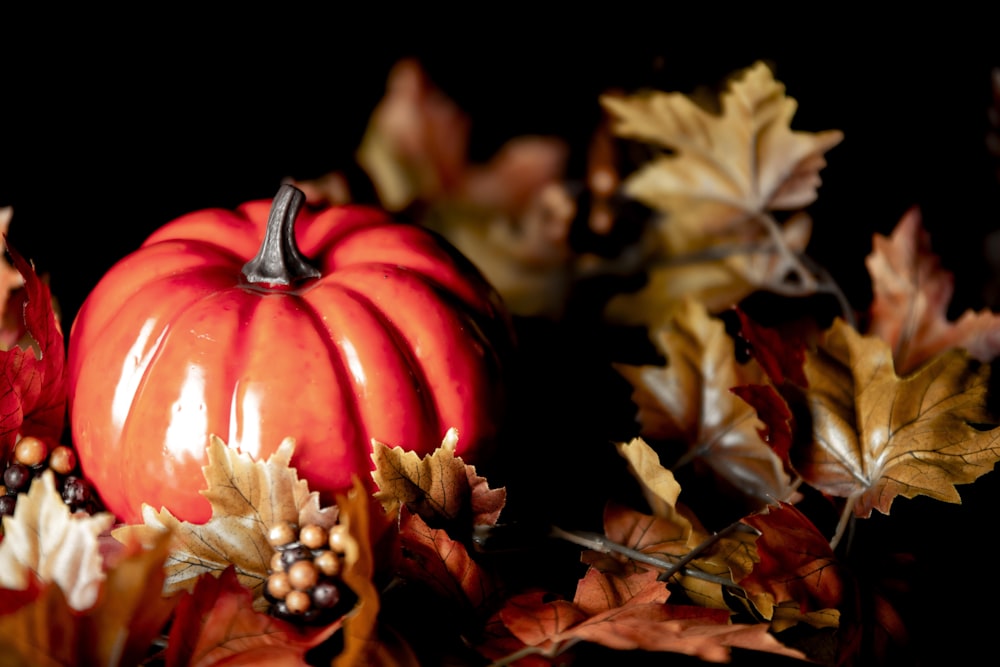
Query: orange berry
[62, 460]
[30, 451]
[303, 575]
[328, 563]
[282, 533]
[277, 564]
[298, 602]
[278, 585]
[313, 536]
[339, 538]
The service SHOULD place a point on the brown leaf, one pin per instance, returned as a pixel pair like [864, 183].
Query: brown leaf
[727, 168]
[118, 630]
[216, 625]
[433, 558]
[440, 486]
[877, 436]
[659, 486]
[627, 614]
[11, 281]
[247, 497]
[44, 539]
[912, 293]
[690, 400]
[728, 559]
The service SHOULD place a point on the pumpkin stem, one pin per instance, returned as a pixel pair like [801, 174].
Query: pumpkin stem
[279, 260]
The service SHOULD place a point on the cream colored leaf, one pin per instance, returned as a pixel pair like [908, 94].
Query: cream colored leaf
[60, 547]
[248, 497]
[689, 400]
[724, 169]
[878, 436]
[659, 486]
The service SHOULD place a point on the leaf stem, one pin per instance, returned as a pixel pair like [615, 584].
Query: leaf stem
[602, 544]
[698, 550]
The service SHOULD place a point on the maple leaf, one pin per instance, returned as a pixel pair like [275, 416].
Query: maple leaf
[877, 436]
[440, 487]
[32, 378]
[44, 539]
[216, 625]
[912, 293]
[796, 564]
[247, 497]
[628, 613]
[510, 215]
[117, 630]
[690, 400]
[715, 185]
[728, 168]
[445, 565]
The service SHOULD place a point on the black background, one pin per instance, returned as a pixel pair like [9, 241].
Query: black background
[113, 125]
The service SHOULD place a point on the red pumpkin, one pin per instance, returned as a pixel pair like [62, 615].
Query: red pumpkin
[338, 327]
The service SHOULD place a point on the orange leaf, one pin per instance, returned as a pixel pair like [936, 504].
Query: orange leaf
[911, 298]
[216, 625]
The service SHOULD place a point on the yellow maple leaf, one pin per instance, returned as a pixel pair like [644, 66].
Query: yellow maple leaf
[248, 497]
[725, 169]
[878, 436]
[689, 400]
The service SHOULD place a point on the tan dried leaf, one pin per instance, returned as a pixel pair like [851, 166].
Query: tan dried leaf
[438, 486]
[46, 540]
[877, 436]
[248, 497]
[690, 400]
[912, 293]
[724, 169]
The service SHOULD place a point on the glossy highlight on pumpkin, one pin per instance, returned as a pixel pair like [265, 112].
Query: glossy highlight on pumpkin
[398, 338]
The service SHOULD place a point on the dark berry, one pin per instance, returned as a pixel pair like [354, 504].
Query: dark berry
[17, 477]
[326, 595]
[295, 553]
[7, 504]
[76, 492]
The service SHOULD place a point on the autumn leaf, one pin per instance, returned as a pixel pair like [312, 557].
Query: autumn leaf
[247, 497]
[11, 282]
[724, 169]
[32, 378]
[912, 293]
[216, 625]
[118, 630]
[796, 565]
[440, 487]
[431, 557]
[44, 539]
[715, 184]
[629, 613]
[878, 436]
[690, 400]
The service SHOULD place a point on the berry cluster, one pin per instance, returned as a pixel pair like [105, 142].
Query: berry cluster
[303, 582]
[33, 455]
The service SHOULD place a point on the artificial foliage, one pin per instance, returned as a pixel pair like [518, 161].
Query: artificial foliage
[766, 418]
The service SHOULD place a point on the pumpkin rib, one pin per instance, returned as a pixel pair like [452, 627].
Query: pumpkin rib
[400, 345]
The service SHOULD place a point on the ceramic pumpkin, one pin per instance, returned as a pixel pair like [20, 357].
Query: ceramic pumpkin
[331, 326]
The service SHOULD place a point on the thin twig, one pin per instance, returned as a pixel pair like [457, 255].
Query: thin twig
[602, 544]
[700, 549]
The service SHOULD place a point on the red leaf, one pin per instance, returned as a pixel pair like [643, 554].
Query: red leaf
[779, 423]
[796, 561]
[780, 352]
[217, 625]
[32, 379]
